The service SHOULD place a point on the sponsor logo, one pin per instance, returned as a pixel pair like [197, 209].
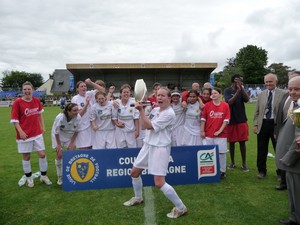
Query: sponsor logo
[207, 163]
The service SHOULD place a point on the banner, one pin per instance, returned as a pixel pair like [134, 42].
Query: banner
[110, 168]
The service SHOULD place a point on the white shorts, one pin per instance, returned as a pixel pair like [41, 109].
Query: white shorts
[84, 138]
[35, 144]
[222, 142]
[104, 139]
[190, 139]
[125, 139]
[177, 136]
[155, 159]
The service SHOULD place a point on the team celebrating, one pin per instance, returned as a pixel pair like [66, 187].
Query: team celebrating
[201, 116]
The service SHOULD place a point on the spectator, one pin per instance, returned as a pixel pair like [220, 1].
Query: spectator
[265, 112]
[236, 96]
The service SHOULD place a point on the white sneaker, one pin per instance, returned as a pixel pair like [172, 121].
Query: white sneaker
[59, 181]
[133, 201]
[175, 213]
[45, 179]
[30, 182]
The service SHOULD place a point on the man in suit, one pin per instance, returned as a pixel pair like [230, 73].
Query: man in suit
[265, 112]
[285, 105]
[288, 155]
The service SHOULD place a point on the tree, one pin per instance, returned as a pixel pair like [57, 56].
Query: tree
[224, 79]
[231, 62]
[281, 71]
[252, 61]
[15, 79]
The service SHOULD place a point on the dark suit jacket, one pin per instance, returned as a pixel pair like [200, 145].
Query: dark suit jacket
[261, 106]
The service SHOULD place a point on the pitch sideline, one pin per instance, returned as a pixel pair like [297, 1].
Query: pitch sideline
[149, 209]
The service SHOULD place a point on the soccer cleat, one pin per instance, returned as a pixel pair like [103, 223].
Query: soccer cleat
[175, 213]
[133, 201]
[223, 175]
[231, 166]
[30, 182]
[59, 181]
[245, 168]
[45, 179]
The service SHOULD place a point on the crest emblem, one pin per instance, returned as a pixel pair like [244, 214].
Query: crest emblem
[82, 169]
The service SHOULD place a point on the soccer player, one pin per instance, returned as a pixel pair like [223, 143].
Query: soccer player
[214, 119]
[27, 118]
[177, 131]
[101, 119]
[192, 123]
[64, 133]
[126, 119]
[85, 99]
[155, 152]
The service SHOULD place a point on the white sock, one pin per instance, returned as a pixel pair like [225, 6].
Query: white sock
[137, 184]
[26, 166]
[58, 164]
[43, 164]
[222, 158]
[171, 194]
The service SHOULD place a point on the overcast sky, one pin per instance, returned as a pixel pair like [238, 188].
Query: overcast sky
[40, 36]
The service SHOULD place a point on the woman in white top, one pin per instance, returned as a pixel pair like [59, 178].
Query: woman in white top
[64, 132]
[126, 119]
[84, 100]
[178, 130]
[101, 119]
[192, 124]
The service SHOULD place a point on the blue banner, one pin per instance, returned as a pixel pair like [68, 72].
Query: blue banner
[110, 168]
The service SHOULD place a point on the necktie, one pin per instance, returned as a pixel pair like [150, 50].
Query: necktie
[295, 104]
[269, 106]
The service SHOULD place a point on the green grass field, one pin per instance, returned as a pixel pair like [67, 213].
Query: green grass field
[240, 199]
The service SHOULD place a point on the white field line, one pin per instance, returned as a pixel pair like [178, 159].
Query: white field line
[149, 210]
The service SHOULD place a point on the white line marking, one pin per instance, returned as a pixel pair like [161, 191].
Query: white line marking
[149, 209]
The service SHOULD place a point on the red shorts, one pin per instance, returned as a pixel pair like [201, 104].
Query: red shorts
[237, 132]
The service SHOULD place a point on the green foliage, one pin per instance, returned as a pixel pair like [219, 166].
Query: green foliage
[15, 79]
[225, 79]
[241, 198]
[281, 71]
[252, 61]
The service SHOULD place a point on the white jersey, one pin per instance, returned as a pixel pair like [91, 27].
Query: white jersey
[102, 116]
[80, 101]
[192, 122]
[64, 129]
[126, 114]
[162, 123]
[179, 112]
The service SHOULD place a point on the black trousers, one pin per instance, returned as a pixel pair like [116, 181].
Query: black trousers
[266, 133]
